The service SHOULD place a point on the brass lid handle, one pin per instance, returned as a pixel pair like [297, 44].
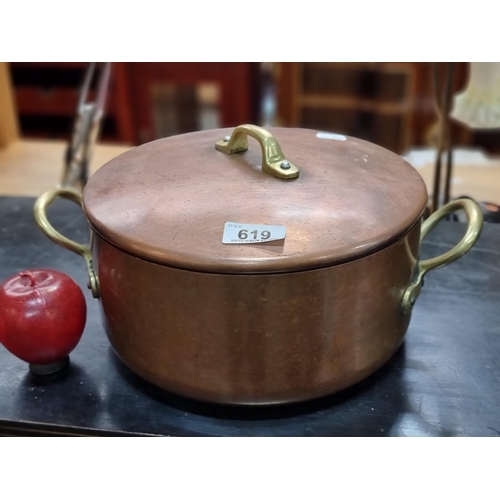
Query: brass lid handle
[273, 159]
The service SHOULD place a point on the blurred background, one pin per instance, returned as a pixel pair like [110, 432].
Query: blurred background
[390, 104]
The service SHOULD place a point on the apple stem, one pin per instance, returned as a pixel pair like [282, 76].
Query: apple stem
[27, 275]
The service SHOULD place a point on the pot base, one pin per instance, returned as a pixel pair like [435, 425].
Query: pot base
[264, 400]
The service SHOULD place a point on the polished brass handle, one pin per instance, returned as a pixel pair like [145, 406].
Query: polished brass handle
[273, 159]
[40, 211]
[474, 227]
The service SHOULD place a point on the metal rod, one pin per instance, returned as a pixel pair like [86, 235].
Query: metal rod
[443, 106]
[449, 135]
[437, 168]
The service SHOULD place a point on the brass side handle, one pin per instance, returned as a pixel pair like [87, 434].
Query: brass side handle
[474, 227]
[273, 159]
[40, 212]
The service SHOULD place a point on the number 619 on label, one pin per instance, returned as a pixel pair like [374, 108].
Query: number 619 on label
[236, 233]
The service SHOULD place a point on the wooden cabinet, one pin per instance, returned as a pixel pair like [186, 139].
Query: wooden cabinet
[179, 97]
[46, 96]
[368, 100]
[138, 107]
[390, 104]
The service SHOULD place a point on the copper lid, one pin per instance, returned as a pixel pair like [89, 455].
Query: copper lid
[167, 201]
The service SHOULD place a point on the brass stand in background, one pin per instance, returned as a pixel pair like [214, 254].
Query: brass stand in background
[86, 128]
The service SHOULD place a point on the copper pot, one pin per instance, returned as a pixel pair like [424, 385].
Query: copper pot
[285, 317]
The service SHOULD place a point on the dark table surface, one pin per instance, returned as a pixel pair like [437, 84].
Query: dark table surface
[443, 381]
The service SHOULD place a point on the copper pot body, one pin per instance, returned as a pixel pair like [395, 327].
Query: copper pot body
[256, 339]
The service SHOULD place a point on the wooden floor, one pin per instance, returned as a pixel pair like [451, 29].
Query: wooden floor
[29, 168]
[474, 174]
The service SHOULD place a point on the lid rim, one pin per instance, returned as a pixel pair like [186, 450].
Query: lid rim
[296, 269]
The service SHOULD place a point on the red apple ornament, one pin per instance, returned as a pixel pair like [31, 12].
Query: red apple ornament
[42, 317]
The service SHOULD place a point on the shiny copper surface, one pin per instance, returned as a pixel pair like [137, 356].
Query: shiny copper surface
[256, 339]
[167, 202]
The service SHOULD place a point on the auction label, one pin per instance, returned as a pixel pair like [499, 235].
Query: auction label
[237, 234]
